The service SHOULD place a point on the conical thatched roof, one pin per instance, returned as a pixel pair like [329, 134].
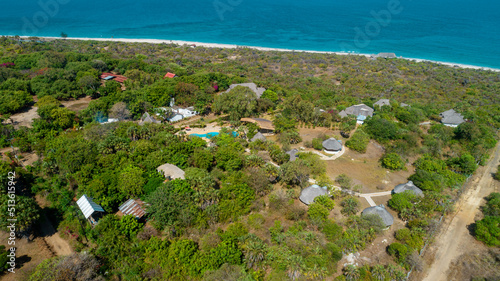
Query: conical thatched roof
[383, 102]
[380, 211]
[332, 144]
[171, 171]
[309, 193]
[400, 188]
[258, 136]
[293, 154]
[146, 118]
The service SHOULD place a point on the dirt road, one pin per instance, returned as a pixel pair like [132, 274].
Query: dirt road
[454, 237]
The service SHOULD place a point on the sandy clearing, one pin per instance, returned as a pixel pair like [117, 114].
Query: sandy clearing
[24, 118]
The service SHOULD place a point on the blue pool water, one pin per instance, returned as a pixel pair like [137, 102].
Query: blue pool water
[459, 31]
[211, 134]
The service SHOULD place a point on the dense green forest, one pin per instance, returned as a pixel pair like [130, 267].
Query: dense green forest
[234, 215]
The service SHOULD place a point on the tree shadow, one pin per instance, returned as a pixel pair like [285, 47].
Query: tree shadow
[472, 229]
[20, 261]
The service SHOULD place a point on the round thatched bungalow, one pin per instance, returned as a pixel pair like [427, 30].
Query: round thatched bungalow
[171, 172]
[400, 188]
[332, 146]
[309, 193]
[380, 211]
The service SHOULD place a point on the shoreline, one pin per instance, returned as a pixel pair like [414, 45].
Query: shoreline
[233, 46]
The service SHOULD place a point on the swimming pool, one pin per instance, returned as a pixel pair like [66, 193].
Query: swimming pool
[211, 134]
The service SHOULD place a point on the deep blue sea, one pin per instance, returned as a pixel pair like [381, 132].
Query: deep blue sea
[458, 31]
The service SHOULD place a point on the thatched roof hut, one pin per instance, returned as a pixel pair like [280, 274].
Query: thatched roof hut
[146, 118]
[451, 118]
[258, 136]
[356, 110]
[309, 193]
[252, 86]
[332, 145]
[293, 154]
[400, 188]
[171, 172]
[380, 211]
[382, 102]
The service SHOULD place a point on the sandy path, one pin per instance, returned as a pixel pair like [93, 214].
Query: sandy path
[59, 246]
[454, 236]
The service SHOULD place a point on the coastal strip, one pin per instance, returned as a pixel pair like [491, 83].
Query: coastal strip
[231, 46]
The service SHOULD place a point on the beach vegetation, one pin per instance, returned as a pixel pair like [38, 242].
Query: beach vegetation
[197, 226]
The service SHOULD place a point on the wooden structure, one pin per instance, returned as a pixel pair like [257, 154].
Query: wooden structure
[91, 211]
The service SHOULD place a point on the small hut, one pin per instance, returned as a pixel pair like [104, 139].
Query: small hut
[451, 118]
[171, 172]
[257, 137]
[309, 193]
[169, 75]
[91, 211]
[400, 188]
[146, 118]
[133, 207]
[252, 86]
[293, 154]
[386, 55]
[380, 211]
[382, 102]
[332, 146]
[356, 110]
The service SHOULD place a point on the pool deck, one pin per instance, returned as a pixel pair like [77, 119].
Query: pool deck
[210, 128]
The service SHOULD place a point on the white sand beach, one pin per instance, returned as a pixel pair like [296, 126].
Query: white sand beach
[230, 46]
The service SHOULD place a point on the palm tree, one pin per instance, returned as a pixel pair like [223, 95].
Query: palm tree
[379, 272]
[316, 273]
[255, 252]
[132, 133]
[295, 266]
[351, 273]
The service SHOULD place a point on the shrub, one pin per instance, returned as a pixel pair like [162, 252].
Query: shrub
[336, 251]
[497, 174]
[294, 213]
[492, 207]
[331, 230]
[317, 144]
[344, 181]
[256, 221]
[349, 206]
[325, 201]
[488, 230]
[317, 213]
[392, 161]
[359, 141]
[398, 251]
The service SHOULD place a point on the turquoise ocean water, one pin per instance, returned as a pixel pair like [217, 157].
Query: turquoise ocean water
[458, 31]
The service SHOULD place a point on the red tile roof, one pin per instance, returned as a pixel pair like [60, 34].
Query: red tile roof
[169, 75]
[120, 78]
[117, 78]
[106, 74]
